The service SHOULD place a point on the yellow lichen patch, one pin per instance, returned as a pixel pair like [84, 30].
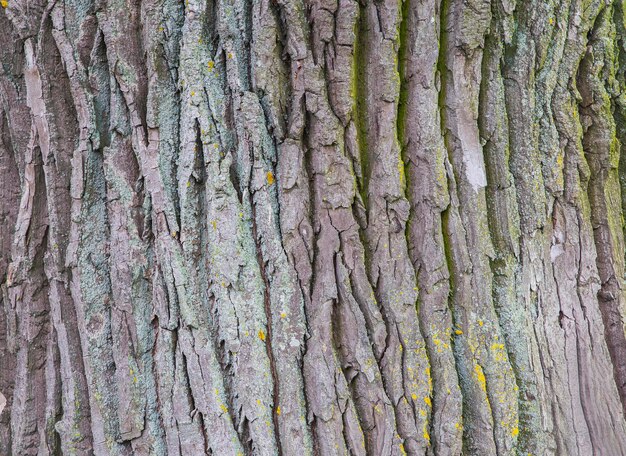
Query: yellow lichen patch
[428, 402]
[278, 410]
[211, 64]
[283, 315]
[230, 55]
[402, 450]
[480, 323]
[401, 172]
[261, 335]
[270, 178]
[560, 160]
[223, 408]
[214, 224]
[515, 431]
[4, 3]
[480, 376]
[441, 345]
[426, 436]
[458, 332]
[174, 234]
[414, 396]
[498, 351]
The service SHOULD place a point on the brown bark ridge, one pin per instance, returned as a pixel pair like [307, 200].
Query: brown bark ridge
[312, 227]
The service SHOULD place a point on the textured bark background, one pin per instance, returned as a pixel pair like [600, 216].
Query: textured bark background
[303, 227]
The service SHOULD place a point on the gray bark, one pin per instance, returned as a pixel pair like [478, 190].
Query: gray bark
[312, 227]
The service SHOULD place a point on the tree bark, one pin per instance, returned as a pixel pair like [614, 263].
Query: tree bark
[312, 227]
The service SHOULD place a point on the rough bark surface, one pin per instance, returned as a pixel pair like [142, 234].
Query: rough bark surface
[312, 227]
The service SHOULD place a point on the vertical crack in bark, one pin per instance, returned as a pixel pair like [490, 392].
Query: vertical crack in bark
[268, 315]
[359, 94]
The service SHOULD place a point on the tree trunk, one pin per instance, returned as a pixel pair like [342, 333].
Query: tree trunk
[312, 227]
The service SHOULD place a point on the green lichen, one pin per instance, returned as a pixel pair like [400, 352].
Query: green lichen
[359, 93]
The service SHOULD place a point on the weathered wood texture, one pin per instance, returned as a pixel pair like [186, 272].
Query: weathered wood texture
[298, 227]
